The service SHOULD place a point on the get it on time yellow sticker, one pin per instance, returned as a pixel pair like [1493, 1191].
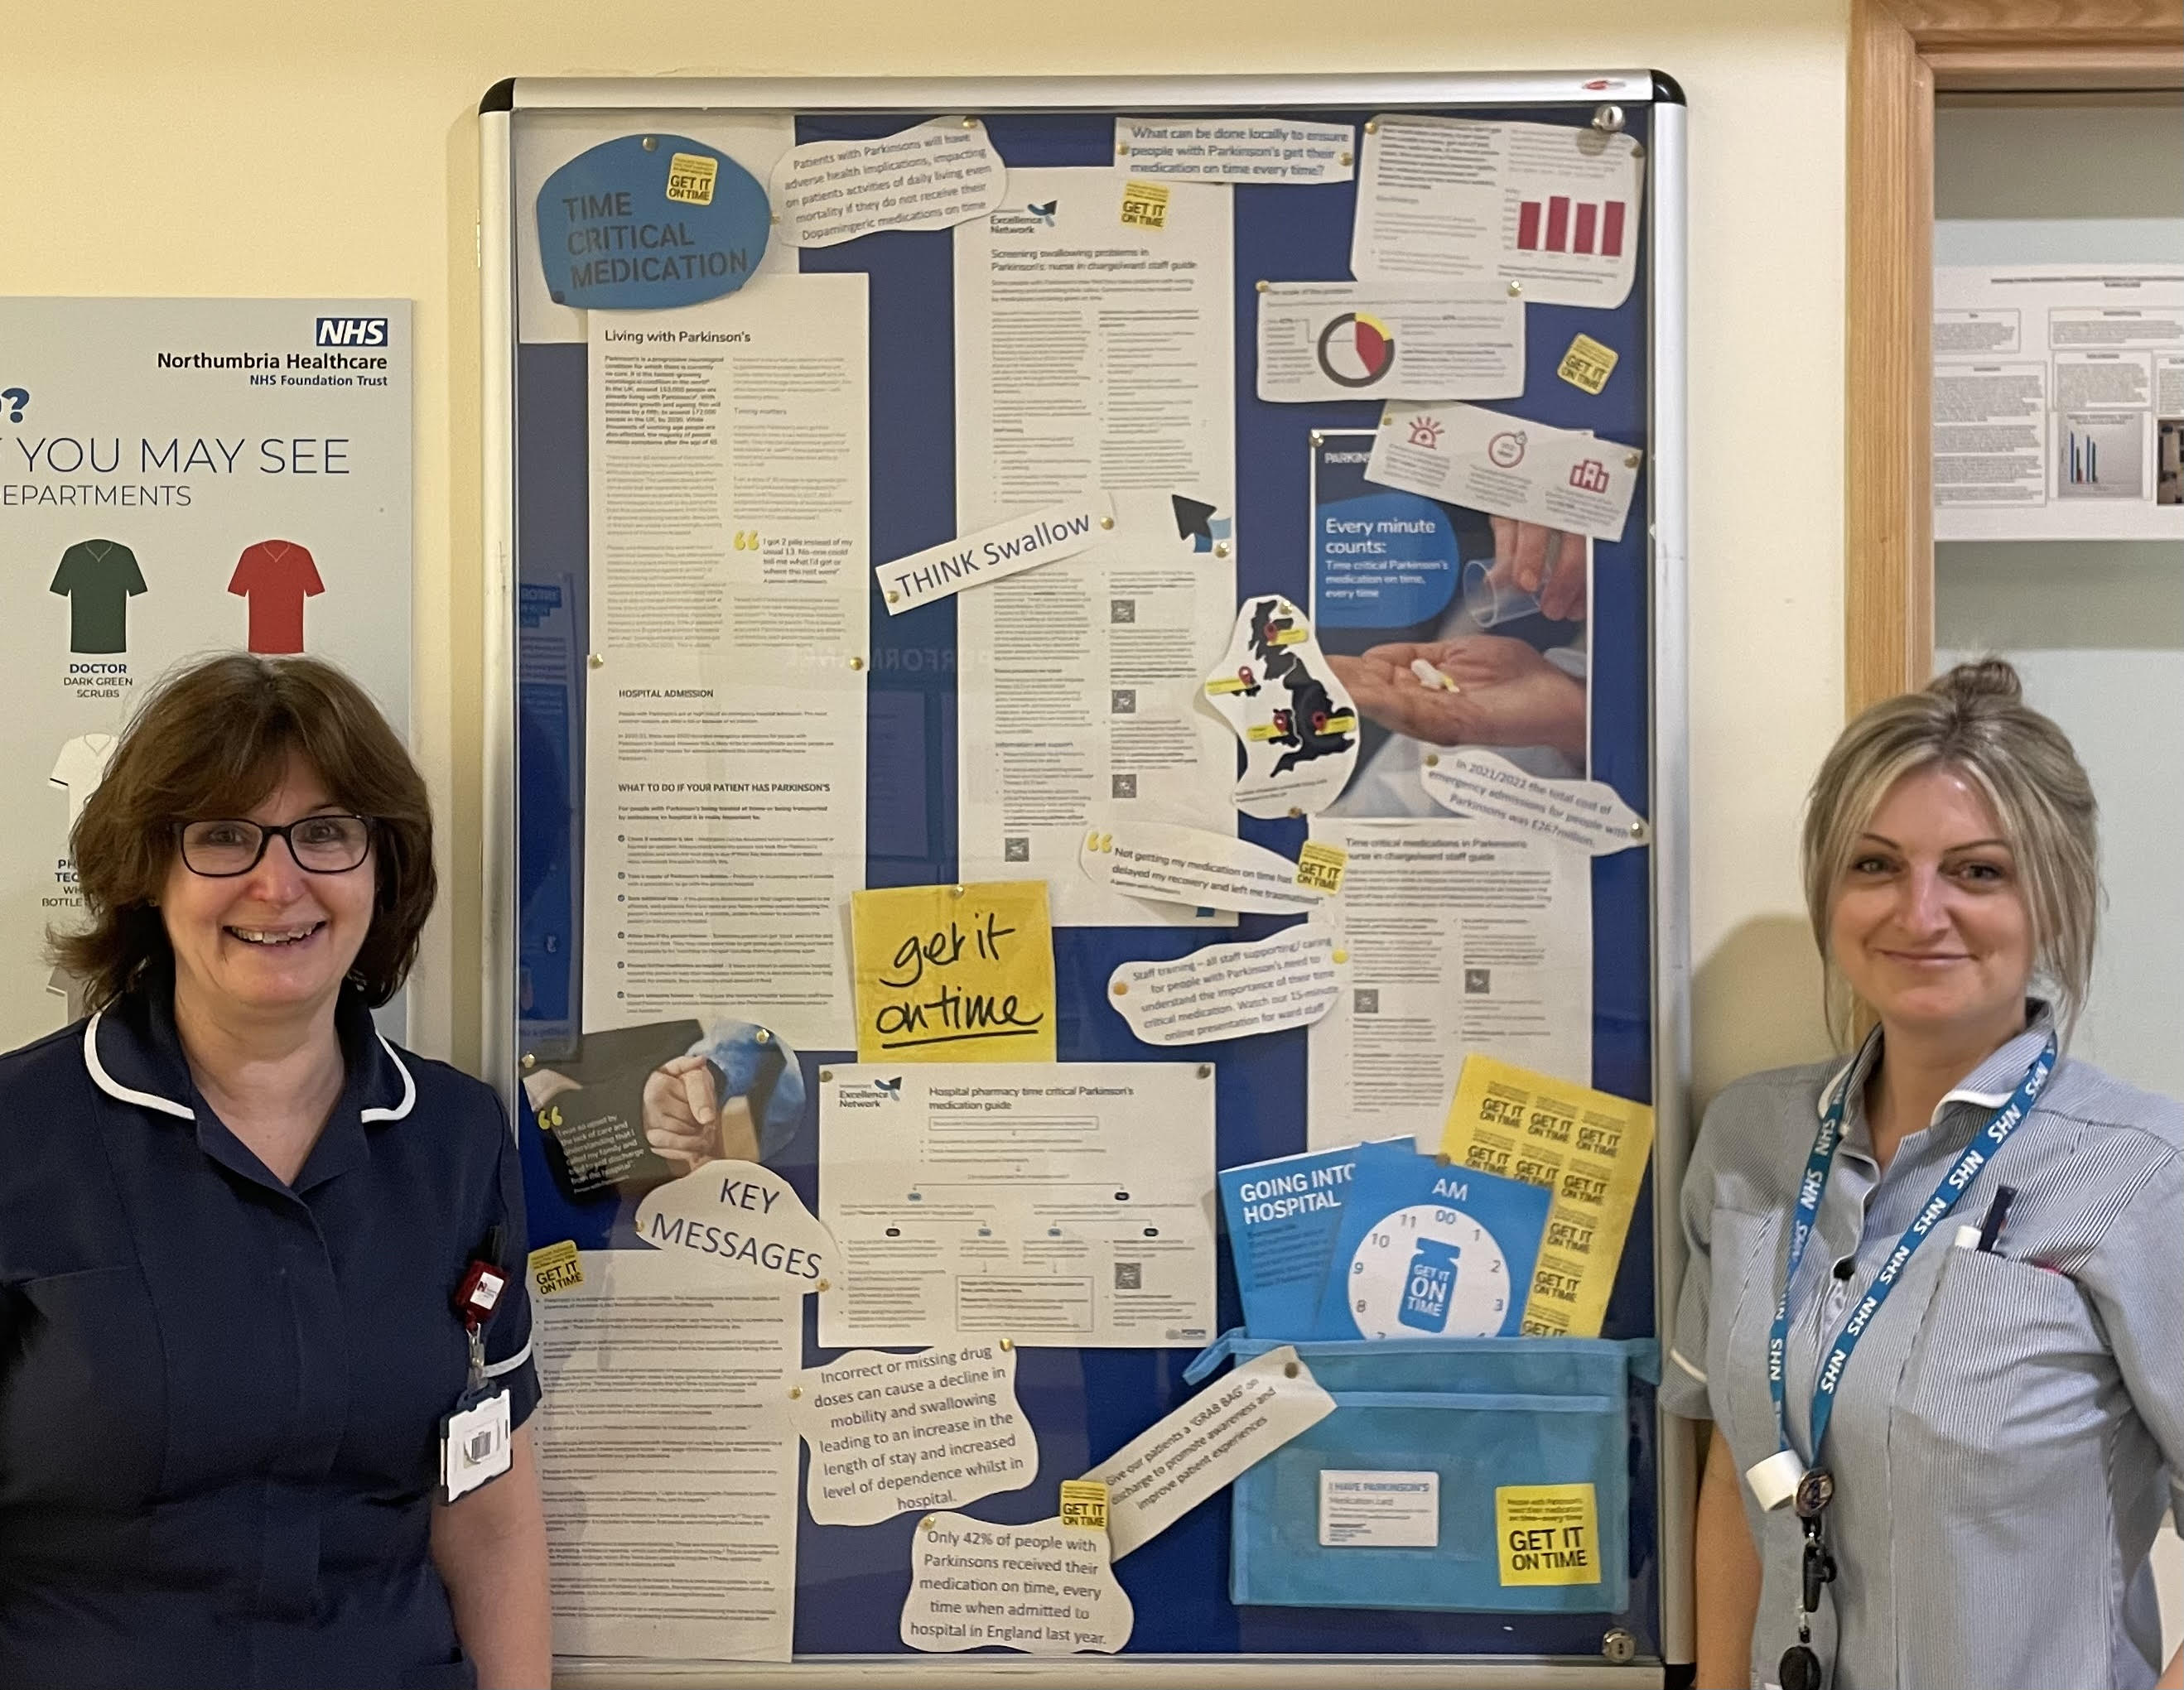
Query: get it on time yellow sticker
[1588, 364]
[556, 1267]
[1145, 205]
[1084, 1503]
[1320, 866]
[691, 176]
[1547, 1534]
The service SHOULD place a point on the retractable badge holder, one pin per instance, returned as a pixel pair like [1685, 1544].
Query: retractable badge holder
[475, 1439]
[1800, 1667]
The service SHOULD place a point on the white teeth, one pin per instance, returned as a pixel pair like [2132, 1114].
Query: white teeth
[270, 936]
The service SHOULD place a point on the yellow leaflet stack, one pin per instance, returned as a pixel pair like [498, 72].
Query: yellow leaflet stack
[1587, 1148]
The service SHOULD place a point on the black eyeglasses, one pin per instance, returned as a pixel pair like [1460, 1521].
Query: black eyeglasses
[320, 844]
[1800, 1667]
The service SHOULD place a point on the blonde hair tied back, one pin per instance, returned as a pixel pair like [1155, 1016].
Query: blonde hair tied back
[1973, 719]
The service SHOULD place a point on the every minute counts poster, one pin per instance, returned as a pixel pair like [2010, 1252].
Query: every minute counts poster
[179, 477]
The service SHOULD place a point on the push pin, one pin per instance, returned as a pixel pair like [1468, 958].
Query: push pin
[1516, 290]
[1106, 522]
[596, 660]
[649, 144]
[1121, 988]
[529, 1062]
[826, 1074]
[1260, 287]
[794, 1391]
[1607, 119]
[1206, 1070]
[856, 663]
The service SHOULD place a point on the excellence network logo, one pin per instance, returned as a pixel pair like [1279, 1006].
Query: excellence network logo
[1030, 220]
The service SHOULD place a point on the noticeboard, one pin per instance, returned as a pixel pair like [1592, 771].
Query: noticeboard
[1029, 472]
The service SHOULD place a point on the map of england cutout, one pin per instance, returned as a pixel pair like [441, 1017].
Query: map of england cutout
[1275, 689]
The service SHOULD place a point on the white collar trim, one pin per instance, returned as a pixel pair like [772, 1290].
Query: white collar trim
[1985, 1100]
[408, 1086]
[114, 1088]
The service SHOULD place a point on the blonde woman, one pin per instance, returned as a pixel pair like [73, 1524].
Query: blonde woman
[1938, 1458]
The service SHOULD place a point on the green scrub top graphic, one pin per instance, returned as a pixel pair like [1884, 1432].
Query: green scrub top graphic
[99, 578]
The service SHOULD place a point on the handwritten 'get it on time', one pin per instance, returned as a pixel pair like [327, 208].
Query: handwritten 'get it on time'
[951, 1012]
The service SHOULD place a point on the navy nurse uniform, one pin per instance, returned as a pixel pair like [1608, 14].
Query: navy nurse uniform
[221, 1395]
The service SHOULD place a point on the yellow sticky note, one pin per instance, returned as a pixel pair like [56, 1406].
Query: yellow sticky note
[955, 974]
[1548, 1534]
[1145, 205]
[1084, 1503]
[1588, 364]
[690, 177]
[1588, 1147]
[1320, 866]
[556, 1267]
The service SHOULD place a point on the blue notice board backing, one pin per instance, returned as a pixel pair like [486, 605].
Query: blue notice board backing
[1086, 1404]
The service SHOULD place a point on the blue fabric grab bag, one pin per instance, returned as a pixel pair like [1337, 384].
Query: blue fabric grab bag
[1474, 1475]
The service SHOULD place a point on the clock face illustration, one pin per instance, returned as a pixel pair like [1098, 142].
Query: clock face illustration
[1429, 1271]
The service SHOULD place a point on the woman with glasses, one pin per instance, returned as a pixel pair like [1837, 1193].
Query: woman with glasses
[1933, 1303]
[265, 1345]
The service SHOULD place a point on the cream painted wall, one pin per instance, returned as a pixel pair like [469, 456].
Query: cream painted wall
[226, 146]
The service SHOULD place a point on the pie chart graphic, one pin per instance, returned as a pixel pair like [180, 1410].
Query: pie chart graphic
[1356, 350]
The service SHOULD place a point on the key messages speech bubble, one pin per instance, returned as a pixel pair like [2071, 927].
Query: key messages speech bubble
[743, 1220]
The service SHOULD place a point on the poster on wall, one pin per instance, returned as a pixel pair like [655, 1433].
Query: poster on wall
[726, 714]
[2058, 402]
[181, 477]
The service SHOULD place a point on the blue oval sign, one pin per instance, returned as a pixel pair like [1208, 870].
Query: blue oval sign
[648, 221]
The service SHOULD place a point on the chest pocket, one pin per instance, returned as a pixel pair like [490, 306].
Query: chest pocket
[2008, 1360]
[87, 1393]
[1747, 1258]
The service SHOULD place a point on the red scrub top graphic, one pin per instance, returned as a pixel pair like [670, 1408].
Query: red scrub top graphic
[277, 576]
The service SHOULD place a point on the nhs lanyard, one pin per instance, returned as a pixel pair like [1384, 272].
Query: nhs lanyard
[1946, 1195]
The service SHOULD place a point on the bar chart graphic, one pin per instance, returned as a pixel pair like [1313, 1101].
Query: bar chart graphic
[2100, 455]
[1559, 224]
[2084, 454]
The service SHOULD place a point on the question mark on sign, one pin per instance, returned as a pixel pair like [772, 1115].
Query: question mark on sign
[18, 400]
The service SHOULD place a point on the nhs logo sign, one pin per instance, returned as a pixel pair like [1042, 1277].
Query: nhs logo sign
[352, 331]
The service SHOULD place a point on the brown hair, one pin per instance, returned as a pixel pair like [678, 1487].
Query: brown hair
[1973, 719]
[213, 740]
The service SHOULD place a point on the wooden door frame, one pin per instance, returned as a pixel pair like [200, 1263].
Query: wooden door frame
[1901, 53]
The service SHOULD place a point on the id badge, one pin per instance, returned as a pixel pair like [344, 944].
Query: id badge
[475, 1443]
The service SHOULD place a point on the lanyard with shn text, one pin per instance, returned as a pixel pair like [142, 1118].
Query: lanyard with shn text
[1782, 1477]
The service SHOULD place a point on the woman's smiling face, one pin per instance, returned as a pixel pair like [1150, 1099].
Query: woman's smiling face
[275, 939]
[1930, 923]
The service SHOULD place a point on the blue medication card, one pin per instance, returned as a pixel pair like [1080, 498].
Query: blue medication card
[1429, 1250]
[1283, 1215]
